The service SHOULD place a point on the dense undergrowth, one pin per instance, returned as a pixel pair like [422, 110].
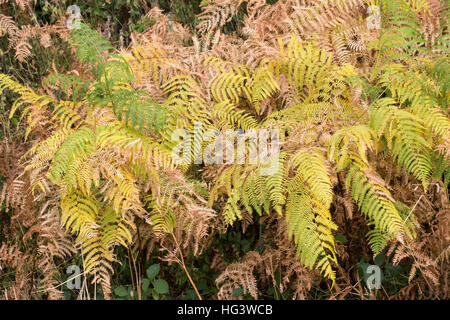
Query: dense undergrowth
[92, 115]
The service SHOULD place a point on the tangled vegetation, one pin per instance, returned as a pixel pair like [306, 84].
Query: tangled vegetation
[91, 115]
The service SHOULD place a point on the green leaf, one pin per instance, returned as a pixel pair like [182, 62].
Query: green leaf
[379, 259]
[153, 271]
[245, 245]
[341, 238]
[121, 291]
[238, 292]
[145, 284]
[161, 286]
[191, 295]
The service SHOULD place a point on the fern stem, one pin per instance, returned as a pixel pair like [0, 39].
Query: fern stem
[183, 265]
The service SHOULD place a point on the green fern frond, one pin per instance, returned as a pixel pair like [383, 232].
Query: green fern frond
[406, 137]
[276, 184]
[79, 213]
[68, 82]
[70, 153]
[310, 72]
[377, 240]
[311, 168]
[350, 144]
[374, 199]
[66, 114]
[43, 152]
[89, 44]
[232, 117]
[137, 108]
[310, 224]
